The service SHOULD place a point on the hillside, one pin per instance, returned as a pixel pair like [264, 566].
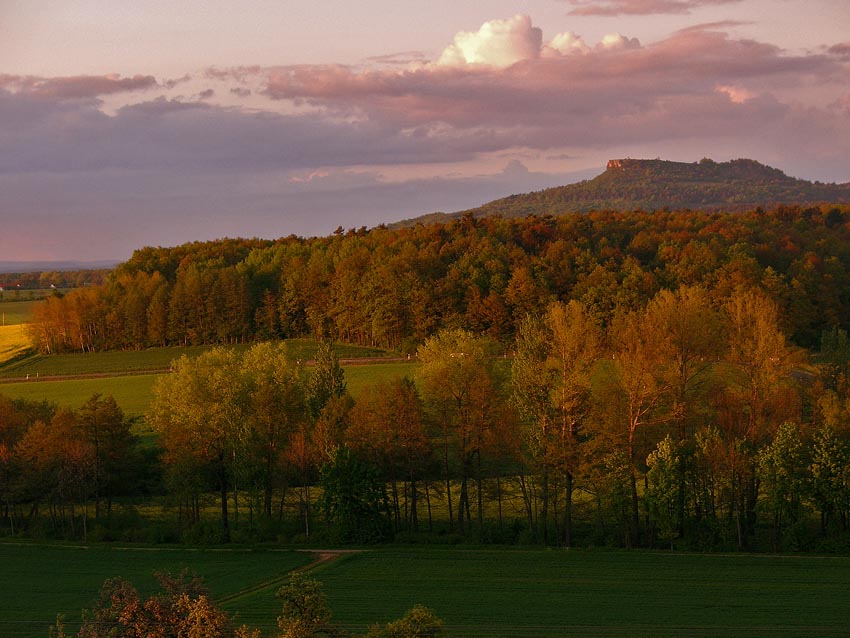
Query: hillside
[632, 184]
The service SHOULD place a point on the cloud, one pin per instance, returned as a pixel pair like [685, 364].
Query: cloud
[566, 44]
[566, 92]
[497, 43]
[76, 87]
[39, 135]
[305, 149]
[618, 41]
[841, 50]
[404, 58]
[640, 7]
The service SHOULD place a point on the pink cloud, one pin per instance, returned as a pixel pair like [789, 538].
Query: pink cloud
[841, 50]
[497, 43]
[639, 7]
[542, 96]
[77, 87]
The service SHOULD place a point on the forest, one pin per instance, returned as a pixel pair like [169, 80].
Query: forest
[393, 288]
[628, 379]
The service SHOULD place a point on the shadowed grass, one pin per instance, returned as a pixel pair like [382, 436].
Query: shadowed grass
[41, 582]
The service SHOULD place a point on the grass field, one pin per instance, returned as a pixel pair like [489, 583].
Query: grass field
[134, 393]
[13, 343]
[495, 593]
[13, 313]
[117, 361]
[514, 593]
[39, 582]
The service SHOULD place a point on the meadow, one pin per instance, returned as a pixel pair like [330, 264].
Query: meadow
[497, 593]
[133, 393]
[43, 581]
[122, 361]
[14, 312]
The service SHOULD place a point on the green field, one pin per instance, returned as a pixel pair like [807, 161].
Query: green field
[513, 593]
[134, 393]
[494, 593]
[40, 582]
[13, 313]
[117, 361]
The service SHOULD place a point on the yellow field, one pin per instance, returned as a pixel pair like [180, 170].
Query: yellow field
[13, 341]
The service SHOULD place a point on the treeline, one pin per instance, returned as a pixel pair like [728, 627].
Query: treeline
[57, 463]
[54, 278]
[395, 288]
[688, 422]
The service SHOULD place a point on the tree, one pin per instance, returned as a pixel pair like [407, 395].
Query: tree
[305, 612]
[327, 379]
[662, 487]
[782, 470]
[354, 498]
[388, 428]
[103, 426]
[551, 386]
[275, 410]
[761, 396]
[689, 345]
[460, 391]
[182, 609]
[199, 413]
[640, 389]
[830, 475]
[418, 622]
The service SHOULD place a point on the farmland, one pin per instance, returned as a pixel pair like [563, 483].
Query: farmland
[510, 593]
[129, 376]
[122, 361]
[42, 581]
[14, 313]
[134, 392]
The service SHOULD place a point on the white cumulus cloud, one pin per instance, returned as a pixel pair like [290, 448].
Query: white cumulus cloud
[498, 43]
[618, 41]
[566, 44]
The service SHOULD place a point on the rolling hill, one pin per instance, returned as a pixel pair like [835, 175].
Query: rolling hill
[631, 184]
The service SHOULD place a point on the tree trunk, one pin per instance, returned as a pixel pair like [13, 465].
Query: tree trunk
[225, 524]
[568, 511]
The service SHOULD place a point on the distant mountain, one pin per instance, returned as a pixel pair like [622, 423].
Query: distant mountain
[58, 266]
[630, 184]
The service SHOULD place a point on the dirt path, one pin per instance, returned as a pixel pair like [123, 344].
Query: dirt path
[320, 557]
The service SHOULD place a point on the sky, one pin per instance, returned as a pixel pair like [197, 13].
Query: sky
[126, 124]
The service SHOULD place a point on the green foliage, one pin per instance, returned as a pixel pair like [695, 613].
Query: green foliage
[395, 288]
[830, 476]
[663, 487]
[354, 498]
[305, 612]
[632, 184]
[782, 469]
[327, 379]
[418, 622]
